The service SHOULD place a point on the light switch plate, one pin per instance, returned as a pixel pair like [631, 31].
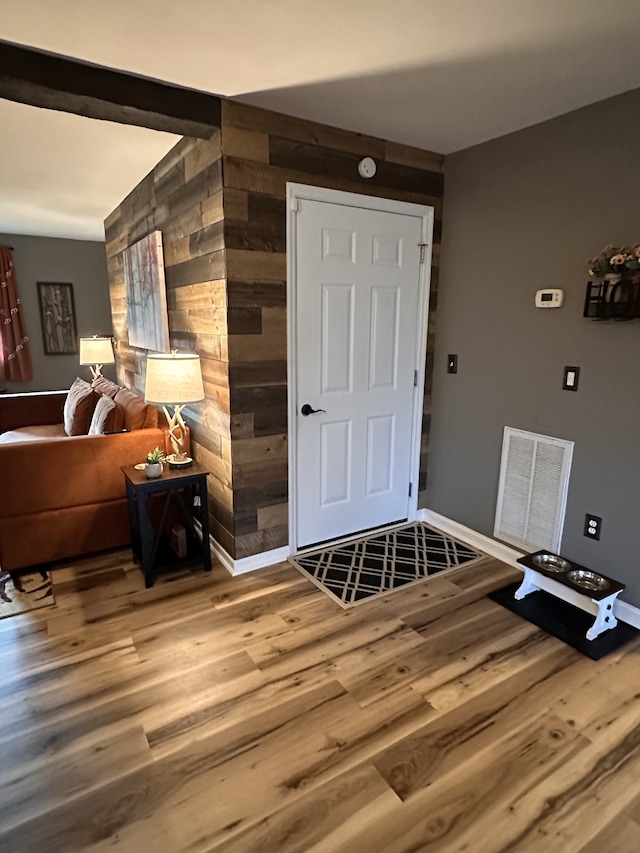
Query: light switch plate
[570, 381]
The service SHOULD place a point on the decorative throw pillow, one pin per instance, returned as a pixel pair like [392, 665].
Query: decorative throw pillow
[78, 408]
[137, 413]
[107, 417]
[105, 386]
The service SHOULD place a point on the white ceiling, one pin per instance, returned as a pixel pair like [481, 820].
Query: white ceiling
[439, 74]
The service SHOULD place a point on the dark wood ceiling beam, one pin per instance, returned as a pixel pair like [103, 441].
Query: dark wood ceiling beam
[55, 82]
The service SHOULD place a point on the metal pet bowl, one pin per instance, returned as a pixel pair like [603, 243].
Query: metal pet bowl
[551, 562]
[588, 580]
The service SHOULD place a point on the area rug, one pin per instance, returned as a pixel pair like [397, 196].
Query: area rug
[24, 591]
[564, 621]
[357, 571]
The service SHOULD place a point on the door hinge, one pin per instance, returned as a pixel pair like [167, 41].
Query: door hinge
[422, 246]
[410, 488]
[415, 378]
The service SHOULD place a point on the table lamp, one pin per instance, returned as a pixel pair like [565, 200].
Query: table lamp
[96, 351]
[174, 379]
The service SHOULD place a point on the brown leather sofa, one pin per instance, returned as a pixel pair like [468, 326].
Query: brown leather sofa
[63, 496]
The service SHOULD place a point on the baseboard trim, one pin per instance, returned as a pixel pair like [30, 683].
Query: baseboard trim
[248, 564]
[489, 546]
[623, 610]
[627, 613]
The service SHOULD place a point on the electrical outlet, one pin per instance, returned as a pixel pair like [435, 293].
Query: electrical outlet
[452, 364]
[592, 525]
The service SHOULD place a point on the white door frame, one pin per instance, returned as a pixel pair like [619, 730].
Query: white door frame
[296, 192]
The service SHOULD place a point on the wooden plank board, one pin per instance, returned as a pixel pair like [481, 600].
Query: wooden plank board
[202, 154]
[246, 144]
[301, 157]
[137, 718]
[256, 265]
[459, 810]
[244, 116]
[272, 180]
[197, 270]
[255, 374]
[236, 203]
[276, 515]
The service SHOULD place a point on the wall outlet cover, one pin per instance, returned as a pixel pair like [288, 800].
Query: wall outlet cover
[592, 525]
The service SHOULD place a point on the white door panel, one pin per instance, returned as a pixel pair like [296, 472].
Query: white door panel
[383, 336]
[336, 338]
[380, 444]
[357, 288]
[335, 463]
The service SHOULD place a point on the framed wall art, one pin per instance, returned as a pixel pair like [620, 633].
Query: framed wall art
[58, 318]
[147, 317]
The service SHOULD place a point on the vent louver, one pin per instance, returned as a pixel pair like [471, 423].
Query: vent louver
[532, 493]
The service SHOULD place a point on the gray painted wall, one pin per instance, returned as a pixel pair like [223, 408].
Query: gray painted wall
[84, 264]
[523, 212]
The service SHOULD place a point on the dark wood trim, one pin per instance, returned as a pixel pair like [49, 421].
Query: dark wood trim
[56, 82]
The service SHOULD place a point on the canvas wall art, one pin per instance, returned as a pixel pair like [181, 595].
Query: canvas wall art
[147, 317]
[58, 318]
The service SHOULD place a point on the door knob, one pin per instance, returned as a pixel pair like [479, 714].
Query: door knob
[307, 410]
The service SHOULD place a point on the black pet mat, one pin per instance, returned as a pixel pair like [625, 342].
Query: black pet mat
[564, 621]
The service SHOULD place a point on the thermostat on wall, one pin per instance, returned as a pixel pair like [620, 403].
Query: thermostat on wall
[550, 298]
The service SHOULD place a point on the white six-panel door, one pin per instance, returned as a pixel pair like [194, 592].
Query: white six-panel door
[357, 280]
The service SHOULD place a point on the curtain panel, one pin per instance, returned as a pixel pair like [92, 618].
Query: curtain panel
[15, 355]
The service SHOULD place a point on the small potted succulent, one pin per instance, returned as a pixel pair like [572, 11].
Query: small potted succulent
[153, 463]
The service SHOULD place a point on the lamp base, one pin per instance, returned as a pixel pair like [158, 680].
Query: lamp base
[175, 462]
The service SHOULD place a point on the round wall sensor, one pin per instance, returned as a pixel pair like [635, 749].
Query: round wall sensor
[367, 167]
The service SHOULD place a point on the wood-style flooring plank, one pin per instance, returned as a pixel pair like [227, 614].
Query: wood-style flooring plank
[448, 740]
[193, 793]
[454, 811]
[215, 713]
[622, 835]
[315, 821]
[51, 780]
[577, 799]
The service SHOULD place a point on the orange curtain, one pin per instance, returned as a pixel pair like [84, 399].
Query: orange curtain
[15, 356]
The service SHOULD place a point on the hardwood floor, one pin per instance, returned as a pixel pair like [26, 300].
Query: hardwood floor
[213, 713]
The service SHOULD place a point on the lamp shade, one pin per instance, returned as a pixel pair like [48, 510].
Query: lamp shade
[96, 350]
[174, 379]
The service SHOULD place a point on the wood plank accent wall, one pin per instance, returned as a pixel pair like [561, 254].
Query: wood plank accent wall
[182, 197]
[220, 204]
[261, 151]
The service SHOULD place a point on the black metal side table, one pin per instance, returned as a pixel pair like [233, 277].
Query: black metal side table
[183, 490]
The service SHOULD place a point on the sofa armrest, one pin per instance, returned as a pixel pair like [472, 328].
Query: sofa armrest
[72, 471]
[31, 409]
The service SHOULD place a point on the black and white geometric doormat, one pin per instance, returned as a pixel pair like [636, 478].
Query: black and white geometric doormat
[376, 565]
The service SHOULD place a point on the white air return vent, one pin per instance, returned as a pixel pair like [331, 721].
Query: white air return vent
[532, 495]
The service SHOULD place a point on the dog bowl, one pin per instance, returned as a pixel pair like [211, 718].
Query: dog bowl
[551, 562]
[588, 580]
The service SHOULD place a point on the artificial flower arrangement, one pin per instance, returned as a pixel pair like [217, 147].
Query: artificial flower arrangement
[615, 259]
